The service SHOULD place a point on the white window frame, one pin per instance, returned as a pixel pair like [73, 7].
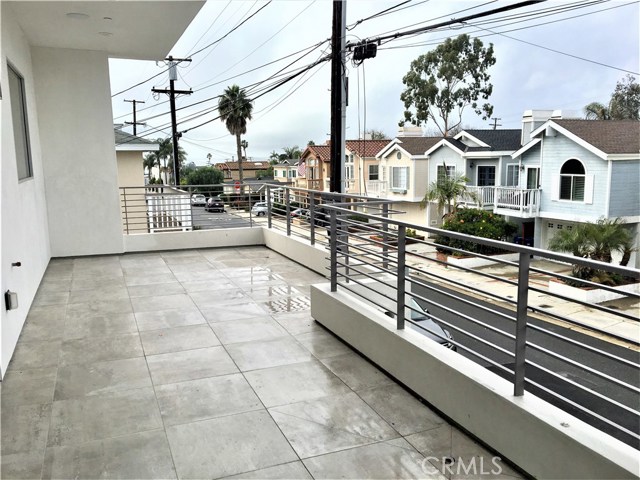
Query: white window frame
[399, 179]
[376, 174]
[450, 172]
[512, 178]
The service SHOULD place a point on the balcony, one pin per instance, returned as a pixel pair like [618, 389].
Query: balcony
[518, 202]
[485, 197]
[376, 188]
[188, 361]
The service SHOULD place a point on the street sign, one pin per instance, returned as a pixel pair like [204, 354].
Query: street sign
[237, 186]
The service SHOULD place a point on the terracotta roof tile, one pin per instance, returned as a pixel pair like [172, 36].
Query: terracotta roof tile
[366, 148]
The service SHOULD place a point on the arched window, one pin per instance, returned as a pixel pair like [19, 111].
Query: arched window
[572, 181]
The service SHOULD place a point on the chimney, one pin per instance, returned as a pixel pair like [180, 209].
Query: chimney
[410, 132]
[532, 119]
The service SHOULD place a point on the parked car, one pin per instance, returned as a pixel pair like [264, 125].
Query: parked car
[214, 204]
[198, 200]
[300, 213]
[260, 209]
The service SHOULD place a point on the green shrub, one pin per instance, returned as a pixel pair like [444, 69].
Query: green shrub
[479, 223]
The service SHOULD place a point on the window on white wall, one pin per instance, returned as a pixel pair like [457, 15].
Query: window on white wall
[513, 175]
[399, 178]
[448, 171]
[20, 123]
[572, 181]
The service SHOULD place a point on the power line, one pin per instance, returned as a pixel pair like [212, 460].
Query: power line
[210, 27]
[381, 13]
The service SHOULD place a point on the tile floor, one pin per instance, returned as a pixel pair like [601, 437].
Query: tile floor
[206, 364]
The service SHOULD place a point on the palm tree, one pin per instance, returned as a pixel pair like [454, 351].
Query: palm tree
[149, 161]
[597, 111]
[446, 191]
[235, 109]
[244, 144]
[165, 151]
[292, 152]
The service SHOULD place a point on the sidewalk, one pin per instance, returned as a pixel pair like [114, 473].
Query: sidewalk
[586, 316]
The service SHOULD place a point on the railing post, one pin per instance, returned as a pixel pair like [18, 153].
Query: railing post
[385, 236]
[250, 215]
[402, 230]
[333, 247]
[268, 206]
[287, 202]
[126, 211]
[521, 324]
[312, 218]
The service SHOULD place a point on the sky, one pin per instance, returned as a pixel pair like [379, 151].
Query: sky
[582, 49]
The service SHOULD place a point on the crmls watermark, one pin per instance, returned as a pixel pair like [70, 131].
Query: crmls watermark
[460, 466]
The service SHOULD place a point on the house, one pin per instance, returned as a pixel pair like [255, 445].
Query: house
[55, 93]
[249, 169]
[572, 171]
[317, 167]
[286, 171]
[130, 151]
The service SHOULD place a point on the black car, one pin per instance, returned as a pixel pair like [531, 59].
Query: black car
[214, 204]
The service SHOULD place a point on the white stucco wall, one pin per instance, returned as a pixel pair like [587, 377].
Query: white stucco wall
[74, 104]
[25, 235]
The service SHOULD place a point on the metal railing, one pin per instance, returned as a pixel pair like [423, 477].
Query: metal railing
[488, 317]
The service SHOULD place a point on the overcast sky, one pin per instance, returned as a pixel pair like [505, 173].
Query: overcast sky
[524, 76]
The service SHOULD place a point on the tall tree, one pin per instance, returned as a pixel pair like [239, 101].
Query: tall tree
[376, 134]
[235, 109]
[623, 105]
[149, 161]
[165, 151]
[442, 83]
[292, 152]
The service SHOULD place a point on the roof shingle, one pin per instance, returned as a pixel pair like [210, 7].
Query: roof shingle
[499, 140]
[418, 145]
[609, 136]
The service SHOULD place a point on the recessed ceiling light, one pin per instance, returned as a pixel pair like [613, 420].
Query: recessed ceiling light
[107, 18]
[105, 34]
[77, 15]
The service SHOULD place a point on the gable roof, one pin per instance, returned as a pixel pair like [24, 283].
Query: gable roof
[322, 152]
[417, 145]
[608, 136]
[366, 148]
[498, 140]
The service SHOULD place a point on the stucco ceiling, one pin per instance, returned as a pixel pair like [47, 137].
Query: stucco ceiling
[126, 29]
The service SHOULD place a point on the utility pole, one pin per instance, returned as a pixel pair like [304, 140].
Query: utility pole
[495, 122]
[338, 94]
[135, 122]
[173, 76]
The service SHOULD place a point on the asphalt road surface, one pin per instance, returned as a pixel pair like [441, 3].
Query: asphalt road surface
[208, 220]
[537, 373]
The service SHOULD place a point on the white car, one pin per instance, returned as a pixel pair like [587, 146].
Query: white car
[260, 209]
[198, 199]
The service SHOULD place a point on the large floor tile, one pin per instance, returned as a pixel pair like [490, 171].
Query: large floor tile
[263, 293]
[25, 387]
[293, 471]
[38, 329]
[21, 465]
[233, 312]
[155, 290]
[212, 285]
[219, 298]
[178, 339]
[28, 355]
[248, 330]
[169, 318]
[294, 383]
[83, 419]
[108, 293]
[98, 349]
[100, 377]
[161, 302]
[329, 424]
[190, 365]
[95, 282]
[384, 460]
[24, 428]
[323, 344]
[51, 298]
[228, 445]
[269, 353]
[144, 455]
[149, 278]
[205, 398]
[400, 409]
[297, 323]
[276, 305]
[98, 308]
[100, 325]
[356, 371]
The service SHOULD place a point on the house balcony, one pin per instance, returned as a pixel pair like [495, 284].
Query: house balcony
[484, 197]
[376, 188]
[180, 360]
[517, 202]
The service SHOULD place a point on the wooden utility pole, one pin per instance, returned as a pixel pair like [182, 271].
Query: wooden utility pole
[172, 92]
[338, 94]
[495, 122]
[135, 122]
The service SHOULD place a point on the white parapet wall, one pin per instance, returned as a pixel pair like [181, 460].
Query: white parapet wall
[541, 439]
[228, 237]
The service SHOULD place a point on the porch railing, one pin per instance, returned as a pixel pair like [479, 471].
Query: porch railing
[485, 196]
[376, 187]
[518, 199]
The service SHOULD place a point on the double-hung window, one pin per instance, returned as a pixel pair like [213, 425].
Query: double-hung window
[513, 175]
[399, 178]
[446, 172]
[373, 172]
[20, 123]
